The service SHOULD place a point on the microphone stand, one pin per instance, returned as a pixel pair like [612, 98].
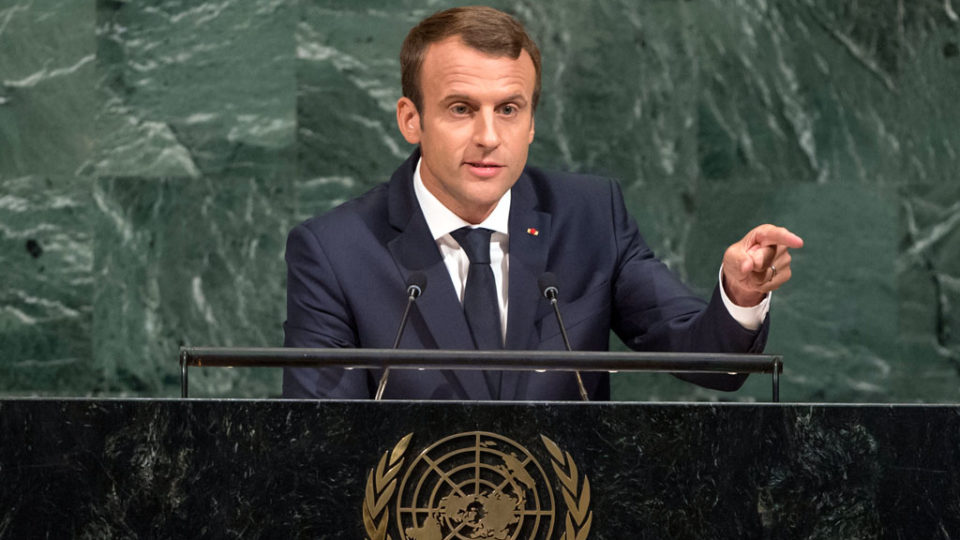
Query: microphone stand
[551, 293]
[413, 291]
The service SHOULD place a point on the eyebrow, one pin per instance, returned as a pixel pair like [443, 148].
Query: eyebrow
[463, 97]
[516, 97]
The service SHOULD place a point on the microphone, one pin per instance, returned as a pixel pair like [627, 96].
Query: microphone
[416, 284]
[548, 286]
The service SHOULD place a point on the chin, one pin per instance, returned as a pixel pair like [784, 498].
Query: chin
[491, 196]
[485, 202]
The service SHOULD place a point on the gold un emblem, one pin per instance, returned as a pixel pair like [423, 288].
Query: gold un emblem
[475, 486]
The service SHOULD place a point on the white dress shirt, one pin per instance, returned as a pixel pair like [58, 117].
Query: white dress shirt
[442, 222]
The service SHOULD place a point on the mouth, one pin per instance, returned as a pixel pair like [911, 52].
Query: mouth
[483, 168]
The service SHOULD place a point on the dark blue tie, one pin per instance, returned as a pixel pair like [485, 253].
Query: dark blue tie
[480, 303]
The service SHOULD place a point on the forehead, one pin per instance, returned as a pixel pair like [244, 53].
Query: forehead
[452, 67]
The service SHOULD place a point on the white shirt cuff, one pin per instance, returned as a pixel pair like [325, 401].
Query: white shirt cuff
[749, 317]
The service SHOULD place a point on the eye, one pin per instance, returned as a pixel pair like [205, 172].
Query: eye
[509, 110]
[459, 109]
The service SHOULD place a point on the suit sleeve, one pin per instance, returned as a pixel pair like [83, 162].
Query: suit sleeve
[655, 311]
[318, 316]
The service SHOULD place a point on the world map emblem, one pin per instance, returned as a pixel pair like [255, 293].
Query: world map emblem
[475, 485]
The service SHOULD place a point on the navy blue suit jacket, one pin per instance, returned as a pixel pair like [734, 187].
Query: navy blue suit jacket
[348, 269]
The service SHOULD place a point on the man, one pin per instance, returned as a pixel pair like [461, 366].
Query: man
[465, 211]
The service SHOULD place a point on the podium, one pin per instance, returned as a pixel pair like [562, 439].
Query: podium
[425, 470]
[173, 468]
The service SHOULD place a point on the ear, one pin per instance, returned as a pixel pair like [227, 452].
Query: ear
[532, 130]
[408, 120]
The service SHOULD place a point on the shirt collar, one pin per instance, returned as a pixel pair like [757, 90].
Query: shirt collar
[442, 221]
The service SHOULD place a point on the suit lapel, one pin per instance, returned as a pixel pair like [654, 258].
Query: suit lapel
[530, 237]
[414, 250]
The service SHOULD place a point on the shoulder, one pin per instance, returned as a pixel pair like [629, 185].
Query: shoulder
[358, 213]
[378, 212]
[565, 190]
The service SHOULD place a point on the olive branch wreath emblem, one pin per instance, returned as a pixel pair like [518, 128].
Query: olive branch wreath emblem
[575, 495]
[382, 484]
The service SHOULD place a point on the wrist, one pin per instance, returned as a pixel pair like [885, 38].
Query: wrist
[741, 297]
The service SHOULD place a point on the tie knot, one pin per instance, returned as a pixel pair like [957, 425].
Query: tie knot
[476, 242]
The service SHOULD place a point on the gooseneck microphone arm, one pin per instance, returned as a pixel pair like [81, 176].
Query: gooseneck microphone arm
[548, 286]
[416, 284]
[413, 292]
[551, 294]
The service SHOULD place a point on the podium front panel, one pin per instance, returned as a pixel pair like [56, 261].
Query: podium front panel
[359, 469]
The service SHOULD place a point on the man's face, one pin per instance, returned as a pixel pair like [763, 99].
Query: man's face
[475, 127]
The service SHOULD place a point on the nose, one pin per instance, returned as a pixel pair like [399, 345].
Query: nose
[486, 134]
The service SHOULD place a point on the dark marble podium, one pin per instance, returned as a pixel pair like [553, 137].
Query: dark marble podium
[265, 469]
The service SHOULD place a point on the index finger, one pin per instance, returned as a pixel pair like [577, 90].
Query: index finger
[771, 235]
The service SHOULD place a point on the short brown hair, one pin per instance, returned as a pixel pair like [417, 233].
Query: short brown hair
[485, 29]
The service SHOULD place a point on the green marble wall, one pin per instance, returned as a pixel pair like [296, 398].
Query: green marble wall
[154, 154]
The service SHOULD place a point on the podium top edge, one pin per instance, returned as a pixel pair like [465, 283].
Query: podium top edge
[474, 359]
